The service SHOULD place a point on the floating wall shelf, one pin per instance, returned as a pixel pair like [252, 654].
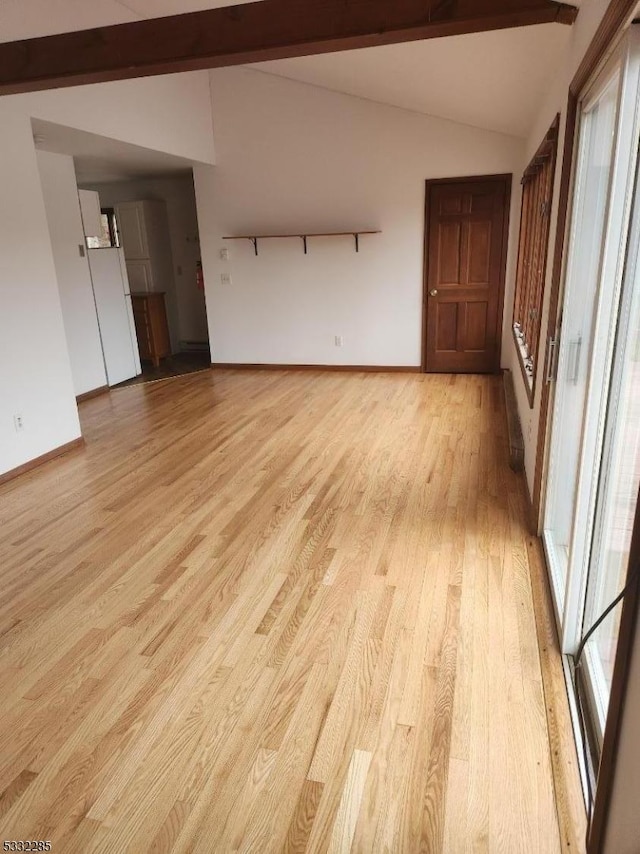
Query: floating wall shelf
[254, 238]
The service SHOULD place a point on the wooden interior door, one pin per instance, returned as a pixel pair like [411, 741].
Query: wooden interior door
[466, 244]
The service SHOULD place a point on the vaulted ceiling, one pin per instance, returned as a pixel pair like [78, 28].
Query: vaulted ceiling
[23, 19]
[493, 80]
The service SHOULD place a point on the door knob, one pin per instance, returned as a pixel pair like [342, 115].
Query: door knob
[433, 293]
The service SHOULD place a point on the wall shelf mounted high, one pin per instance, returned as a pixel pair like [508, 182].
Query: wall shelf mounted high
[254, 238]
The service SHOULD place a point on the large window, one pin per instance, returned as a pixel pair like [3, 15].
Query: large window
[537, 192]
[594, 458]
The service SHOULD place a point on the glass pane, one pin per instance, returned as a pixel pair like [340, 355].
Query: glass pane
[597, 138]
[108, 234]
[617, 498]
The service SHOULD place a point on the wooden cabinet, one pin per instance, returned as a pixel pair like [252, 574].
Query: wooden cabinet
[152, 330]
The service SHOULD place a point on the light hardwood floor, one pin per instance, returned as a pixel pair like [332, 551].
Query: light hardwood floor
[275, 611]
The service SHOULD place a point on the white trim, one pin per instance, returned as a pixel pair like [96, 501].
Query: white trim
[564, 594]
[598, 688]
[606, 313]
[557, 576]
[577, 730]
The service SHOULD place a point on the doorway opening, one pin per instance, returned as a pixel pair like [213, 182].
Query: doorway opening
[155, 220]
[125, 238]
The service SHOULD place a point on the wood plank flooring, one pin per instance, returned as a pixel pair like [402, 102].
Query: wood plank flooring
[275, 612]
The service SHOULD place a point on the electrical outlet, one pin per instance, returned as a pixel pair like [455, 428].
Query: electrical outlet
[339, 341]
[224, 254]
[225, 278]
[18, 422]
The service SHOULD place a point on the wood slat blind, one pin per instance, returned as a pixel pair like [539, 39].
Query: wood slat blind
[537, 195]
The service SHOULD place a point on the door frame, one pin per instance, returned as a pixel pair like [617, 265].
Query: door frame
[506, 179]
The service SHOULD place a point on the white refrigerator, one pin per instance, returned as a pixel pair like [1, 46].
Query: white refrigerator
[115, 314]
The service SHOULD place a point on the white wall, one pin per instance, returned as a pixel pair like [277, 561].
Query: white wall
[58, 179]
[170, 113]
[35, 378]
[178, 195]
[591, 13]
[293, 157]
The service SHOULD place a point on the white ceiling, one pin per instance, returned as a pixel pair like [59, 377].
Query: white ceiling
[99, 159]
[23, 19]
[493, 80]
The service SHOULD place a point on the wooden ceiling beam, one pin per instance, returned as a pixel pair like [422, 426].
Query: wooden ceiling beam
[271, 29]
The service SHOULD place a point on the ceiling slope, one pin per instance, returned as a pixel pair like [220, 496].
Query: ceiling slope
[495, 80]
